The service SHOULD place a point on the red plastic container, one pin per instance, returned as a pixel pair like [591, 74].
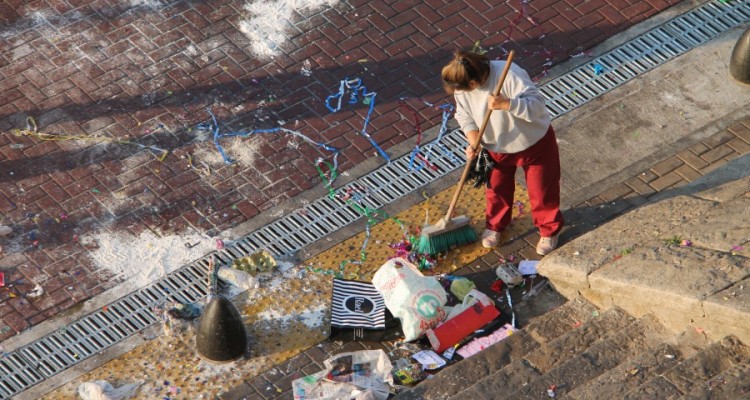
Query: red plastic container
[462, 325]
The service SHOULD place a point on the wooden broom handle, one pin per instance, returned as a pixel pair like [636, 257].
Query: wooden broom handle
[478, 146]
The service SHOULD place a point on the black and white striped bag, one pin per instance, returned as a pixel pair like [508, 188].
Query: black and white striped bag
[357, 305]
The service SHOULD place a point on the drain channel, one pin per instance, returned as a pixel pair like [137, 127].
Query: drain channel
[95, 332]
[642, 53]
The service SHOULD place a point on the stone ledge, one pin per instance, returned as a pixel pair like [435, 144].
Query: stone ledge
[636, 261]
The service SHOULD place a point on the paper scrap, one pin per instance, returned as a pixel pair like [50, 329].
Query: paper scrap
[429, 359]
[481, 343]
[527, 267]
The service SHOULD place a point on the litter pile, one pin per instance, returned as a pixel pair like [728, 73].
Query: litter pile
[435, 321]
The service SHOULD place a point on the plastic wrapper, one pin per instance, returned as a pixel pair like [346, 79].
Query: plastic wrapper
[417, 300]
[103, 390]
[360, 375]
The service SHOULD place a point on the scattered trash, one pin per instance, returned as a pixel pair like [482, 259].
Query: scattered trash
[258, 262]
[219, 244]
[407, 373]
[5, 230]
[552, 391]
[460, 287]
[177, 316]
[306, 68]
[2, 279]
[476, 311]
[187, 311]
[480, 343]
[535, 289]
[686, 243]
[356, 305]
[103, 390]
[527, 267]
[429, 360]
[355, 89]
[448, 354]
[36, 292]
[417, 300]
[360, 375]
[497, 286]
[582, 54]
[598, 69]
[238, 278]
[509, 274]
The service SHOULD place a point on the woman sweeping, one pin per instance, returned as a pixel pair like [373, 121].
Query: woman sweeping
[519, 135]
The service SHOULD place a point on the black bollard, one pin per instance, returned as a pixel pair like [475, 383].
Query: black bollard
[739, 64]
[221, 335]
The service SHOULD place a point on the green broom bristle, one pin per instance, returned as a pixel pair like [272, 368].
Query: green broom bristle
[446, 241]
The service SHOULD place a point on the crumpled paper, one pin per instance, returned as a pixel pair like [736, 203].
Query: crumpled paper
[103, 390]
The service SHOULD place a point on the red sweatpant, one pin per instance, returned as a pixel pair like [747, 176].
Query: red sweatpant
[541, 165]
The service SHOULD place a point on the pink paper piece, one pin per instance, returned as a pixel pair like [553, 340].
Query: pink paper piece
[481, 343]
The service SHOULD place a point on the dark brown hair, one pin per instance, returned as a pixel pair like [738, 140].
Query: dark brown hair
[464, 68]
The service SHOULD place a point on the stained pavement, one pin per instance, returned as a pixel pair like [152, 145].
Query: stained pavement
[145, 72]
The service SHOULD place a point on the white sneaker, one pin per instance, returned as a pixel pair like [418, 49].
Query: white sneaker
[490, 238]
[546, 245]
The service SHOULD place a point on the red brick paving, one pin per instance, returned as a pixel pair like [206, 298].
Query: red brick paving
[105, 67]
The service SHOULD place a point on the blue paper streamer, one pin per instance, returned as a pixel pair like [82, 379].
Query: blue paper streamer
[228, 160]
[357, 90]
[447, 110]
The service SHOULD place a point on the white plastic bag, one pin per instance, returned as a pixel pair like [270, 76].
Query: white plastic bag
[103, 390]
[417, 300]
[471, 298]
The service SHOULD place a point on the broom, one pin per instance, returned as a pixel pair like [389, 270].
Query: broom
[449, 232]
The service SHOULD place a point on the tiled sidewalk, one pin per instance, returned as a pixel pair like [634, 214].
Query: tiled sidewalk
[145, 71]
[678, 170]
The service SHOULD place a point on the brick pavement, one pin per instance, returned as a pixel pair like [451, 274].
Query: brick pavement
[145, 70]
[682, 168]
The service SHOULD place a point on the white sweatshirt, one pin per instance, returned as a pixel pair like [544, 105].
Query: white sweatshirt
[512, 131]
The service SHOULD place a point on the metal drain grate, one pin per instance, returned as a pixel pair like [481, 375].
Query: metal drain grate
[99, 330]
[325, 215]
[642, 53]
[95, 332]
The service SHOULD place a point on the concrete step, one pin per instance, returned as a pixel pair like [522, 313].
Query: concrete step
[561, 320]
[597, 359]
[635, 371]
[540, 330]
[732, 384]
[578, 340]
[520, 373]
[694, 372]
[600, 357]
[455, 378]
[514, 375]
